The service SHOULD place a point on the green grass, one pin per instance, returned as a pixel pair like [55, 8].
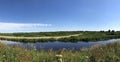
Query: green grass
[98, 53]
[60, 36]
[41, 34]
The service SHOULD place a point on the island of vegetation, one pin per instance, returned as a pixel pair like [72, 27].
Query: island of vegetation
[65, 36]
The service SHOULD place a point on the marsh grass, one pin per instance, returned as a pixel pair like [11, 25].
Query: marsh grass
[60, 36]
[98, 53]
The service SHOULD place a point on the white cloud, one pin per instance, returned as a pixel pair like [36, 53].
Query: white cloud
[14, 26]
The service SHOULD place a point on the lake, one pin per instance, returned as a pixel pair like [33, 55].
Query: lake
[56, 45]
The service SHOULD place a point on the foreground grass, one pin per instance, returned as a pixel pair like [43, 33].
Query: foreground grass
[97, 53]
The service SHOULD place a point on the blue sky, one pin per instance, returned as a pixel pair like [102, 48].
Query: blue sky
[59, 15]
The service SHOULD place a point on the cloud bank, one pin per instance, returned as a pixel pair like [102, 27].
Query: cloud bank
[20, 26]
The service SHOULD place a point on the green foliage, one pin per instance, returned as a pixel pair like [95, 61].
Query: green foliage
[97, 53]
[85, 36]
[40, 34]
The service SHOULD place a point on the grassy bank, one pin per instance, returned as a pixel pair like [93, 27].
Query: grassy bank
[61, 36]
[97, 53]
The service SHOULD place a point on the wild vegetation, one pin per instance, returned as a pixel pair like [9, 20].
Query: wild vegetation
[72, 36]
[41, 34]
[98, 53]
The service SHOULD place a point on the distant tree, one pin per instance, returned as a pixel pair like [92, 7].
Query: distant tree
[109, 30]
[113, 31]
[102, 31]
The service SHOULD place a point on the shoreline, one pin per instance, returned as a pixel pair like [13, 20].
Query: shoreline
[60, 36]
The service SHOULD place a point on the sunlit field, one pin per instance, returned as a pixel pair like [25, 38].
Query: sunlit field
[71, 36]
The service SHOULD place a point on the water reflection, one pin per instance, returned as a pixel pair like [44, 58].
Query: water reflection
[57, 45]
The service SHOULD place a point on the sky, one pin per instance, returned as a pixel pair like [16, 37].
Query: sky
[59, 15]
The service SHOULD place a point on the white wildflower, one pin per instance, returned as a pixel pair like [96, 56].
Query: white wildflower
[86, 56]
[59, 58]
[3, 55]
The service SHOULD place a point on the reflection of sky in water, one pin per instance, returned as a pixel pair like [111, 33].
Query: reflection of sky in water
[57, 45]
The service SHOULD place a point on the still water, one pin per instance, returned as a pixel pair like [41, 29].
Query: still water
[56, 45]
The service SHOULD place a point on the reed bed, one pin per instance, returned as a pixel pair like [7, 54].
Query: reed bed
[98, 53]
